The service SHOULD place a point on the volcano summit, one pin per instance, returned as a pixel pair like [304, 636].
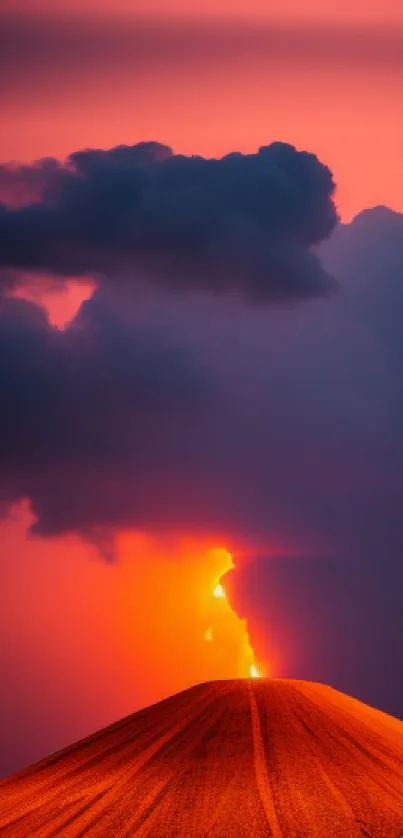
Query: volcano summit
[228, 758]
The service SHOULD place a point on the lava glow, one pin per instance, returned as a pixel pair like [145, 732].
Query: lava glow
[174, 616]
[219, 591]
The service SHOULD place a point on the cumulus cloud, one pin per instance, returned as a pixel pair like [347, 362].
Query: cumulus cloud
[243, 224]
[214, 414]
[279, 424]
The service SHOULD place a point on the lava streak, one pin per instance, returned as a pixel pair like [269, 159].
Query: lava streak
[228, 623]
[174, 616]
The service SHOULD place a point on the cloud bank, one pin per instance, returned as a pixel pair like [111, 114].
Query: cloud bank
[166, 411]
[162, 410]
[242, 224]
[278, 427]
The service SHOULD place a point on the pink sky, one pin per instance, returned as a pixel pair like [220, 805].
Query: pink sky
[344, 10]
[209, 88]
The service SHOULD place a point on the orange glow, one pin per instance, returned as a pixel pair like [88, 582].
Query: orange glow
[247, 664]
[175, 616]
[219, 591]
[133, 631]
[208, 634]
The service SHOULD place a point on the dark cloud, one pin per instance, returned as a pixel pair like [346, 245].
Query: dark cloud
[87, 402]
[243, 224]
[288, 424]
[331, 478]
[367, 255]
[288, 428]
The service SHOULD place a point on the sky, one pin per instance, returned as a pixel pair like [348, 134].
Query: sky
[261, 9]
[201, 257]
[310, 74]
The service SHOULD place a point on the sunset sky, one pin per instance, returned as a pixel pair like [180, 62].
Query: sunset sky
[208, 79]
[197, 359]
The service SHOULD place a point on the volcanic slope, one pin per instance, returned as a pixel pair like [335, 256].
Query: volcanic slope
[229, 758]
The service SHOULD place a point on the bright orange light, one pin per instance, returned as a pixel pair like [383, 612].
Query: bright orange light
[227, 628]
[219, 591]
[174, 616]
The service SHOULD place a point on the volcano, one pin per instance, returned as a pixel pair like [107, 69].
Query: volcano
[228, 758]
